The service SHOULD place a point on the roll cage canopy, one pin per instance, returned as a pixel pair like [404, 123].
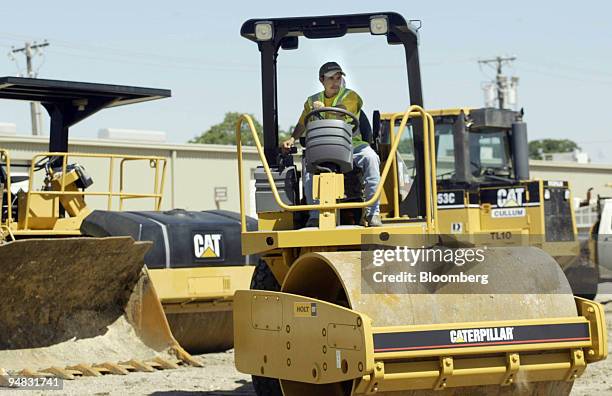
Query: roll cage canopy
[285, 33]
[69, 102]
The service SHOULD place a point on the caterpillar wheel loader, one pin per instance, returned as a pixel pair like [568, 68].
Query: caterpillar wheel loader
[485, 193]
[317, 322]
[78, 298]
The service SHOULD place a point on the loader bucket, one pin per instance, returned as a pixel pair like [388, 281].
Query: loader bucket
[198, 304]
[81, 306]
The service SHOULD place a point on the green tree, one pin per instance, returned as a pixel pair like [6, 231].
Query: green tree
[544, 146]
[224, 132]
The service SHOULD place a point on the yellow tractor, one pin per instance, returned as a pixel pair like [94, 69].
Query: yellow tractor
[335, 310]
[486, 196]
[78, 298]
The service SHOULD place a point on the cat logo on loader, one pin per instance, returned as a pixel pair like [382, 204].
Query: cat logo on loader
[207, 245]
[510, 197]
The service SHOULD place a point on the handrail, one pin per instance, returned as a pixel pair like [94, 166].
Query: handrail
[431, 205]
[433, 174]
[158, 188]
[4, 156]
[343, 205]
[154, 161]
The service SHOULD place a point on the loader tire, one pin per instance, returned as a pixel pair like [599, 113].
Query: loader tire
[265, 386]
[584, 281]
[263, 279]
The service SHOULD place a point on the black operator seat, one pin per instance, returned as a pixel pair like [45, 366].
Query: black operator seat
[14, 179]
[365, 128]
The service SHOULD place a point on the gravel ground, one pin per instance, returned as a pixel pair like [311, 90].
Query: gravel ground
[220, 378]
[597, 379]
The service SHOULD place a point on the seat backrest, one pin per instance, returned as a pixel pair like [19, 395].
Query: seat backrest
[329, 145]
[2, 175]
[365, 128]
[409, 206]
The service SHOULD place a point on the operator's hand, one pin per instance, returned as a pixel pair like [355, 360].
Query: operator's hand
[286, 146]
[317, 105]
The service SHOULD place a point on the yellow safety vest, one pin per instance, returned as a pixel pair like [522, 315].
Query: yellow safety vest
[342, 94]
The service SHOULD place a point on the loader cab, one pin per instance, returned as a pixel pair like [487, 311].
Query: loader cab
[476, 147]
[272, 36]
[484, 187]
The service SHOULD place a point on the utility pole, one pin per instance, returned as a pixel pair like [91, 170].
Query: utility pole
[501, 81]
[29, 50]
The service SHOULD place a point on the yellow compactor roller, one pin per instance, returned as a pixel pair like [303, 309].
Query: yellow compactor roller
[83, 296]
[326, 317]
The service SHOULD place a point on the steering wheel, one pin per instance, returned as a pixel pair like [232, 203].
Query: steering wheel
[44, 161]
[478, 169]
[334, 110]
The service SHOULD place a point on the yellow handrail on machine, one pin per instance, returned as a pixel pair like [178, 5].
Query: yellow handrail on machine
[158, 163]
[430, 167]
[427, 123]
[6, 158]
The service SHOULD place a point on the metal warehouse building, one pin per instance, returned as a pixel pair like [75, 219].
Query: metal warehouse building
[200, 177]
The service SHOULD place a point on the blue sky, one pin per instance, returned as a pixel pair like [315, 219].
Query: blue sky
[194, 48]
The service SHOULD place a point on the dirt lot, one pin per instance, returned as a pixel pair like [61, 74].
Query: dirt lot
[219, 377]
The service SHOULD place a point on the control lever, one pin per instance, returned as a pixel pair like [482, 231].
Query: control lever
[285, 160]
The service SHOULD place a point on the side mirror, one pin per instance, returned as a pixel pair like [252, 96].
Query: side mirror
[289, 43]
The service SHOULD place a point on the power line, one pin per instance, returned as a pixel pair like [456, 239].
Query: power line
[30, 49]
[505, 92]
[565, 76]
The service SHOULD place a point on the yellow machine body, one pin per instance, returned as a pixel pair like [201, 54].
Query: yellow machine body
[320, 331]
[471, 216]
[197, 301]
[507, 213]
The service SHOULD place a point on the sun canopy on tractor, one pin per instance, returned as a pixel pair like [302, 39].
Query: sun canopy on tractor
[329, 26]
[284, 33]
[69, 102]
[272, 34]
